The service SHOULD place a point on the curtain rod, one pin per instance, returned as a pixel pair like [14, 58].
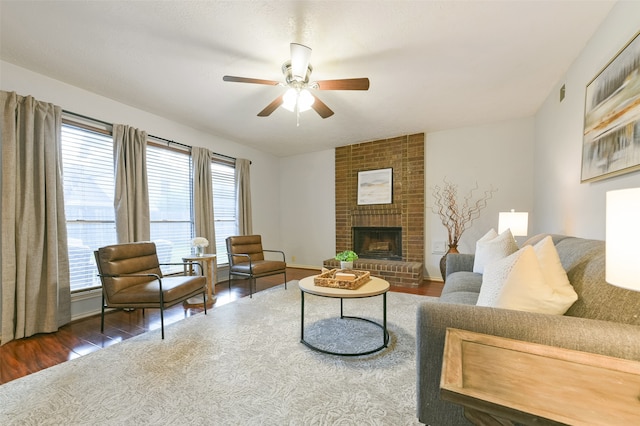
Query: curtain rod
[168, 141]
[151, 136]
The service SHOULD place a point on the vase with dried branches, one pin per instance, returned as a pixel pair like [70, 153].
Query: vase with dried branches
[457, 214]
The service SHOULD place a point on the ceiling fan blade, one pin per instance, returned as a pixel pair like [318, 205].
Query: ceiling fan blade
[249, 80]
[344, 84]
[300, 56]
[321, 108]
[271, 107]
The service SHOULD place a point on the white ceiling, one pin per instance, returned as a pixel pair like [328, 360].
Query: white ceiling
[433, 65]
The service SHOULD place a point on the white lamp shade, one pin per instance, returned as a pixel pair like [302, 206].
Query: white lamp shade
[300, 56]
[623, 238]
[518, 222]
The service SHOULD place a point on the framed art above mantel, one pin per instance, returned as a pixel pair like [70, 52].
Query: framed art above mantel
[375, 187]
[611, 138]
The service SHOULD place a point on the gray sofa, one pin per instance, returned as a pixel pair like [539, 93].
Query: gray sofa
[605, 320]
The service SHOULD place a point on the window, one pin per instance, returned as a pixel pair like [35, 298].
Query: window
[88, 179]
[224, 206]
[169, 178]
[87, 157]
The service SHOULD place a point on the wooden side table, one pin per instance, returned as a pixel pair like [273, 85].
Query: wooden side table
[501, 380]
[210, 270]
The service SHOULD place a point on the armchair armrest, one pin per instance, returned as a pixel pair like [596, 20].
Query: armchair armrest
[184, 265]
[457, 262]
[276, 251]
[433, 318]
[241, 254]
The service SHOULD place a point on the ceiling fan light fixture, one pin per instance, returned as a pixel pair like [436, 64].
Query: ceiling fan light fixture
[302, 98]
[297, 73]
[305, 100]
[289, 99]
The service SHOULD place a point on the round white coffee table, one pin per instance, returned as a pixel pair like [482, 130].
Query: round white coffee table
[375, 287]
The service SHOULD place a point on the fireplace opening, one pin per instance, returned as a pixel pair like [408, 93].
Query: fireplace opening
[378, 242]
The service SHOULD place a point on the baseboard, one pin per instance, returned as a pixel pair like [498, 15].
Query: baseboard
[437, 278]
[300, 266]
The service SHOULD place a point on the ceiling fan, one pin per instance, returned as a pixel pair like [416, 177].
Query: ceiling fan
[296, 73]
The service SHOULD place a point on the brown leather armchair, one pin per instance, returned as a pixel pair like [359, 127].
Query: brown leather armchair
[131, 278]
[246, 259]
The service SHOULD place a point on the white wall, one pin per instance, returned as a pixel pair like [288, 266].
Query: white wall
[498, 155]
[265, 183]
[562, 204]
[307, 217]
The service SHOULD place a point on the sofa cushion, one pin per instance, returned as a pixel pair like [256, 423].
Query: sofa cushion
[584, 261]
[460, 298]
[518, 282]
[462, 281]
[492, 247]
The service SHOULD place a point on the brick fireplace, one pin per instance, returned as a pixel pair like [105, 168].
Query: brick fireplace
[374, 242]
[405, 155]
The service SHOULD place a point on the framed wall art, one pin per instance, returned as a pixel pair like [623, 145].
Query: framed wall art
[375, 187]
[611, 139]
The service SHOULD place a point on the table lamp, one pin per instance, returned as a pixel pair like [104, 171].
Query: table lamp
[518, 222]
[622, 258]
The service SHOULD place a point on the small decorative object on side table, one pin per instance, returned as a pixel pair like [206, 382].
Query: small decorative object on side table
[210, 269]
[199, 243]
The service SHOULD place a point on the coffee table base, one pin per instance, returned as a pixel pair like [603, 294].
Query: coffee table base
[383, 326]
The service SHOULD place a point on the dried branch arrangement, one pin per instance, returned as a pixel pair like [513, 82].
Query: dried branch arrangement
[458, 215]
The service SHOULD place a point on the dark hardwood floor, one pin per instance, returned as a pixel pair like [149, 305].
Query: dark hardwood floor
[25, 356]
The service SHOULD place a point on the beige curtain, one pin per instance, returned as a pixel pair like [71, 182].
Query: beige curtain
[243, 197]
[131, 200]
[35, 287]
[203, 197]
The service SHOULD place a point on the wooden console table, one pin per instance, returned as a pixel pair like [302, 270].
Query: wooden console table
[501, 380]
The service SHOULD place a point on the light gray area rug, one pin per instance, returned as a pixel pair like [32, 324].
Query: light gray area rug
[241, 364]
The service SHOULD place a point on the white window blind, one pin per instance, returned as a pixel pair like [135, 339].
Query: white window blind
[87, 158]
[170, 189]
[224, 206]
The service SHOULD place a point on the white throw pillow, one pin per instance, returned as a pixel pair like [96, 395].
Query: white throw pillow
[521, 282]
[504, 277]
[492, 247]
[554, 274]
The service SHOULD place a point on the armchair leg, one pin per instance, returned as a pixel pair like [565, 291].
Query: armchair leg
[102, 315]
[162, 313]
[162, 321]
[285, 279]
